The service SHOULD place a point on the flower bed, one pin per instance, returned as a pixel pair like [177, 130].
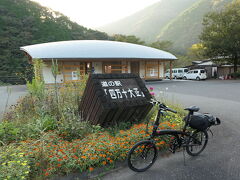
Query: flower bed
[52, 155]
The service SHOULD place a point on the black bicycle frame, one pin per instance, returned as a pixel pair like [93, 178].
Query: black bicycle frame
[175, 133]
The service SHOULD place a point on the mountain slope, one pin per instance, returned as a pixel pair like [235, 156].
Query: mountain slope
[179, 21]
[185, 29]
[23, 22]
[148, 23]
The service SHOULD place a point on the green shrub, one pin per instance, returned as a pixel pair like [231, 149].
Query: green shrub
[36, 88]
[23, 111]
[49, 123]
[15, 131]
[43, 109]
[9, 132]
[35, 128]
[75, 129]
[45, 123]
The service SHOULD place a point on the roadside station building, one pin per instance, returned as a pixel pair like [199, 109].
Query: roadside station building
[79, 57]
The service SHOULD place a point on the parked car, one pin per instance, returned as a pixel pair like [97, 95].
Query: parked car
[176, 73]
[197, 74]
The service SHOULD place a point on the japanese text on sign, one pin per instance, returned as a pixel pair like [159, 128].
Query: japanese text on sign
[111, 83]
[124, 93]
[115, 90]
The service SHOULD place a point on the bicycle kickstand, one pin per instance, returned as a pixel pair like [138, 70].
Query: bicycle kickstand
[184, 157]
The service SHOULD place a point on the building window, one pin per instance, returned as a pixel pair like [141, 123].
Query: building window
[113, 67]
[74, 75]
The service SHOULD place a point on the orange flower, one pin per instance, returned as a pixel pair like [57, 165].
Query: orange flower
[162, 142]
[104, 162]
[110, 161]
[59, 159]
[75, 157]
[108, 158]
[91, 169]
[46, 174]
[59, 165]
[65, 157]
[92, 158]
[83, 157]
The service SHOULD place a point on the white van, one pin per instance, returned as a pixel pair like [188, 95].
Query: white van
[176, 73]
[197, 74]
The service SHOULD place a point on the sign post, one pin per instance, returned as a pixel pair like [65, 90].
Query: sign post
[113, 98]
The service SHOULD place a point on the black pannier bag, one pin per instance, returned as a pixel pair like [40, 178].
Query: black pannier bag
[202, 121]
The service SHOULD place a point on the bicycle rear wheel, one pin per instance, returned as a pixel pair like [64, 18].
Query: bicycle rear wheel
[197, 143]
[142, 156]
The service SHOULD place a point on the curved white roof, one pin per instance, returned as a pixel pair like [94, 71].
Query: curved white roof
[94, 49]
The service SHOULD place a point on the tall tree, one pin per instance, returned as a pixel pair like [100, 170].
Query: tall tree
[129, 39]
[196, 51]
[162, 45]
[221, 34]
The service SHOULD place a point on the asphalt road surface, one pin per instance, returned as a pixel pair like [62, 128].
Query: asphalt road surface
[9, 96]
[221, 158]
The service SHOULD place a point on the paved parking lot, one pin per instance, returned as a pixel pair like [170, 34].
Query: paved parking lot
[220, 160]
[220, 89]
[9, 96]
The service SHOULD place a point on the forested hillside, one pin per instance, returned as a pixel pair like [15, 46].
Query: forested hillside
[148, 22]
[185, 29]
[178, 21]
[23, 22]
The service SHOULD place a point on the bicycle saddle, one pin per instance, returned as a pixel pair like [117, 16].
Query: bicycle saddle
[192, 109]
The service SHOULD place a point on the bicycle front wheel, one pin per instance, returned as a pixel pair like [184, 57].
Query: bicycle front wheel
[142, 156]
[197, 143]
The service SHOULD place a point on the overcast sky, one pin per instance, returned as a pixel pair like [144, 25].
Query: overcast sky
[95, 13]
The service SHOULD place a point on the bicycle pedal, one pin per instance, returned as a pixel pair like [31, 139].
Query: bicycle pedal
[171, 150]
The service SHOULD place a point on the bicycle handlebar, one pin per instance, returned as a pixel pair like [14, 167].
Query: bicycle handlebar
[171, 110]
[163, 106]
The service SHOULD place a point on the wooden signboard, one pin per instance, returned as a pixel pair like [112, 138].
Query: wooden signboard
[112, 98]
